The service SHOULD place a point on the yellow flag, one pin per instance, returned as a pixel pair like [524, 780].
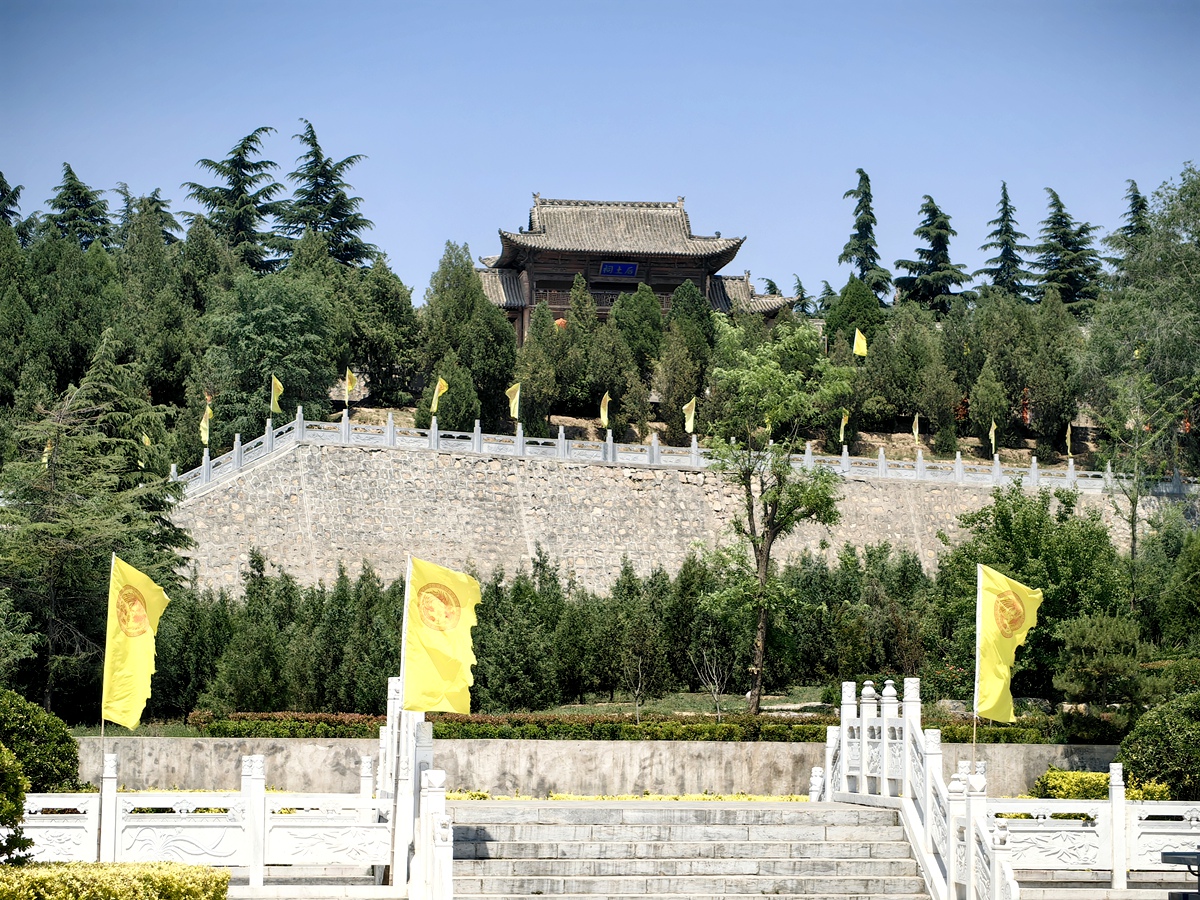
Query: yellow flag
[860, 343]
[1068, 439]
[276, 390]
[689, 416]
[439, 612]
[916, 428]
[204, 420]
[1004, 613]
[351, 383]
[845, 422]
[992, 436]
[438, 390]
[604, 410]
[514, 399]
[50, 449]
[145, 442]
[135, 604]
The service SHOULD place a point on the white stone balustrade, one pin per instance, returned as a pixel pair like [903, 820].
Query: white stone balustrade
[654, 455]
[968, 845]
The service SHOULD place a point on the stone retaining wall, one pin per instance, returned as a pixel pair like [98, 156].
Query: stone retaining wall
[316, 506]
[536, 768]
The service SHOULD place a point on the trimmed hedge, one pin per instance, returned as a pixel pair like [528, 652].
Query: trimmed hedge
[113, 881]
[42, 742]
[287, 725]
[1062, 784]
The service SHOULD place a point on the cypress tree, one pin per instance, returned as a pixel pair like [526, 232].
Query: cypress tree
[1067, 260]
[1006, 269]
[10, 201]
[933, 275]
[79, 212]
[861, 251]
[238, 207]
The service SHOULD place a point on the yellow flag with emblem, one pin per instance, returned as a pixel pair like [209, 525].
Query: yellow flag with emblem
[1005, 611]
[689, 416]
[204, 420]
[514, 400]
[860, 343]
[438, 390]
[135, 604]
[439, 612]
[276, 392]
[604, 410]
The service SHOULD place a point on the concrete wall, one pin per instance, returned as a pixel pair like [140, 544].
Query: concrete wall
[316, 506]
[536, 768]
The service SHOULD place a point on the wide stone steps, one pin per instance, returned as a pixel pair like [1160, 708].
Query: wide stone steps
[1042, 884]
[676, 849]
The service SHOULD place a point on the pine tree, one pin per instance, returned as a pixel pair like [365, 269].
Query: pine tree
[933, 274]
[10, 201]
[1137, 218]
[239, 206]
[385, 341]
[861, 251]
[79, 211]
[321, 202]
[1067, 260]
[86, 486]
[1006, 269]
[639, 318]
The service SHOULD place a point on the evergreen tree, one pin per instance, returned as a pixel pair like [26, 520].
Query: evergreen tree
[1006, 269]
[691, 314]
[1067, 260]
[321, 202]
[10, 202]
[989, 403]
[675, 380]
[638, 316]
[861, 251]
[243, 201]
[855, 307]
[933, 275]
[79, 212]
[458, 407]
[1137, 217]
[535, 370]
[459, 317]
[576, 387]
[386, 337]
[86, 486]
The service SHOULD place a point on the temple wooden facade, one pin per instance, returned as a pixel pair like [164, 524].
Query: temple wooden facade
[615, 246]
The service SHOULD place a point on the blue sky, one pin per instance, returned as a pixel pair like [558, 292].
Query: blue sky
[757, 112]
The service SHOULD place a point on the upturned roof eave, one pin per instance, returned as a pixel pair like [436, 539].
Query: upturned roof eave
[515, 245]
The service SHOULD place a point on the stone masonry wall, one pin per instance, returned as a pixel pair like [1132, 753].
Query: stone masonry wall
[315, 506]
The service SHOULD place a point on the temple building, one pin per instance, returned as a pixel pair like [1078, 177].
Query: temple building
[615, 246]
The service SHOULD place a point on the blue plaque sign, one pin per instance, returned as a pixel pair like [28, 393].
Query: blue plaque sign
[619, 270]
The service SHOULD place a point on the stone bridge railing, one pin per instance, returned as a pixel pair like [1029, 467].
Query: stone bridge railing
[346, 434]
[968, 844]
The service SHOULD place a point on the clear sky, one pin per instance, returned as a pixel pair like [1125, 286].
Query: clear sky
[757, 112]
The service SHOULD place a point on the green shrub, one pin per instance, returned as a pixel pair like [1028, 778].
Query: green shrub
[1077, 728]
[113, 881]
[1184, 675]
[1165, 746]
[287, 725]
[1061, 784]
[13, 785]
[41, 742]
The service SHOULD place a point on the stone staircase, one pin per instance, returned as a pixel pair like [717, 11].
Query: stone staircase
[678, 849]
[1044, 884]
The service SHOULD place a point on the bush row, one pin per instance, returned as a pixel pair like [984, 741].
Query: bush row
[1061, 784]
[113, 881]
[542, 726]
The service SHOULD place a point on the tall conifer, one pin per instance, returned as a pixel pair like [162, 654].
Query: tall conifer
[79, 212]
[933, 275]
[1006, 270]
[861, 251]
[1068, 262]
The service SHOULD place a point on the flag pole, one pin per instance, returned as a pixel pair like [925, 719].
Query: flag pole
[395, 750]
[978, 637]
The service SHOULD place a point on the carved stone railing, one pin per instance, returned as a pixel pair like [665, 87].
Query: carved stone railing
[250, 830]
[967, 844]
[654, 454]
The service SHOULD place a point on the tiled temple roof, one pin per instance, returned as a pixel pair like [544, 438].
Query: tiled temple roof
[502, 287]
[734, 293]
[616, 227]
